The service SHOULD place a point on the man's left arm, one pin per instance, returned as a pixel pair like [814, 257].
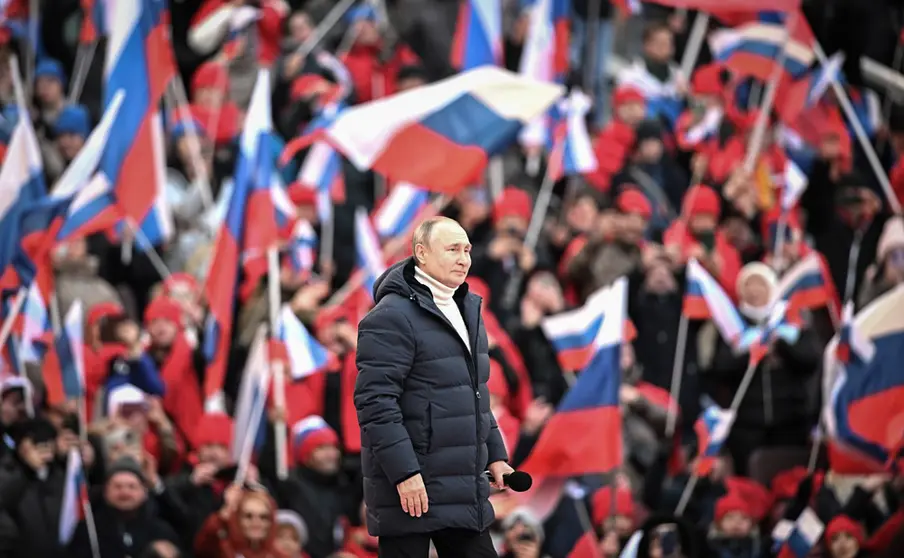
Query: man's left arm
[495, 445]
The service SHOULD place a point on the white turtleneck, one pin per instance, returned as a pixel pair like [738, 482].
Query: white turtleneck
[442, 297]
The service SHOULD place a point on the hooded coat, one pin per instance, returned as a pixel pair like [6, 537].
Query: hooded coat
[424, 407]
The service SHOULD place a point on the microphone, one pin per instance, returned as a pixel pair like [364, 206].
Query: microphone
[517, 481]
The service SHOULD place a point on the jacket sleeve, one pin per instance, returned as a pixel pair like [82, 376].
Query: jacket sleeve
[801, 356]
[495, 445]
[386, 351]
[144, 375]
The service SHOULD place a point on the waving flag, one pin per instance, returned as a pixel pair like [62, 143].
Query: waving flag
[302, 249]
[664, 99]
[758, 339]
[35, 326]
[306, 355]
[572, 334]
[322, 167]
[139, 61]
[712, 429]
[251, 403]
[864, 396]
[705, 299]
[808, 285]
[795, 184]
[796, 539]
[454, 126]
[572, 151]
[805, 93]
[249, 230]
[478, 35]
[732, 5]
[75, 497]
[399, 210]
[761, 42]
[367, 248]
[590, 407]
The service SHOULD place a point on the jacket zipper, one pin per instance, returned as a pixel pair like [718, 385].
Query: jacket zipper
[472, 372]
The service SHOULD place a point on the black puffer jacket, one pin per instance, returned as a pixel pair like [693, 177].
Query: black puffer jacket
[423, 406]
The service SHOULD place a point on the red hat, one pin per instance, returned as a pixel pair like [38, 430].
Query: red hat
[301, 195]
[497, 384]
[708, 80]
[633, 201]
[759, 500]
[210, 75]
[731, 503]
[514, 202]
[178, 281]
[844, 524]
[785, 484]
[214, 429]
[163, 308]
[602, 504]
[310, 433]
[104, 310]
[627, 94]
[227, 121]
[702, 200]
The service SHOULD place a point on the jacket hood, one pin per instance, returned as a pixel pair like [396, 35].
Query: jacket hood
[393, 280]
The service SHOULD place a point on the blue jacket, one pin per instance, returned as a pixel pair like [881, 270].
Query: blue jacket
[141, 373]
[423, 406]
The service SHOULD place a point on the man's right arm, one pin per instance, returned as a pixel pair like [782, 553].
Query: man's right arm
[386, 351]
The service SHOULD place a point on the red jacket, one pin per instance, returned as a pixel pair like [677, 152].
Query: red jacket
[373, 78]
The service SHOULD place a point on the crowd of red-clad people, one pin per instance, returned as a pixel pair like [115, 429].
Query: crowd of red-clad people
[159, 469]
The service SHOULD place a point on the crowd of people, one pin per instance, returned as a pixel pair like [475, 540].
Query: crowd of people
[159, 469]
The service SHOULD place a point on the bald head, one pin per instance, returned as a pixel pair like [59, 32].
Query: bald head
[442, 250]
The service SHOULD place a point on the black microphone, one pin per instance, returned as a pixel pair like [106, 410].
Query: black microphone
[518, 481]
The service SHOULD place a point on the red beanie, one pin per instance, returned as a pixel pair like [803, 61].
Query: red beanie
[702, 200]
[310, 433]
[213, 429]
[301, 195]
[633, 201]
[844, 524]
[210, 75]
[497, 384]
[104, 310]
[627, 94]
[514, 202]
[785, 484]
[602, 504]
[707, 80]
[731, 503]
[163, 308]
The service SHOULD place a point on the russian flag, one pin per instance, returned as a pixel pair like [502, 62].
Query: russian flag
[590, 407]
[806, 92]
[306, 355]
[572, 151]
[94, 21]
[712, 429]
[705, 299]
[759, 338]
[75, 497]
[301, 251]
[808, 285]
[35, 325]
[139, 61]
[478, 35]
[797, 539]
[705, 130]
[249, 230]
[795, 184]
[369, 253]
[454, 126]
[64, 367]
[572, 333]
[21, 184]
[322, 167]
[760, 44]
[852, 346]
[251, 403]
[399, 210]
[715, 6]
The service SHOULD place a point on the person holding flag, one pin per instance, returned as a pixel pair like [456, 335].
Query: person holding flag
[424, 407]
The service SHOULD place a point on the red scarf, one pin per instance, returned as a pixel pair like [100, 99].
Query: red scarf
[182, 400]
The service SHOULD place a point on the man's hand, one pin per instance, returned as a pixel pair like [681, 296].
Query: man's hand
[203, 474]
[497, 469]
[413, 495]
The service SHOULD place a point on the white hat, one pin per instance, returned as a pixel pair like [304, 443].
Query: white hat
[757, 269]
[292, 519]
[126, 394]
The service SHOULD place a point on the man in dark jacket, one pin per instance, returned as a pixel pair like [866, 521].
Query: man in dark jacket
[427, 431]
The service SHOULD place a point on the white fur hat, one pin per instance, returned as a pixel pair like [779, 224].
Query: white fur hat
[757, 269]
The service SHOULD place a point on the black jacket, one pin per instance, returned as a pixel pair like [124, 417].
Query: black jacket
[423, 406]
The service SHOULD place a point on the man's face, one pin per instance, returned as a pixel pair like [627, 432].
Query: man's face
[844, 545]
[631, 113]
[162, 332]
[366, 32]
[325, 459]
[49, 90]
[736, 525]
[70, 145]
[12, 406]
[633, 226]
[447, 254]
[287, 540]
[660, 46]
[650, 151]
[125, 492]
[214, 454]
[755, 292]
[300, 27]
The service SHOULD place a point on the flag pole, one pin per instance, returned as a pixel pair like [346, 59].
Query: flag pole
[868, 150]
[14, 311]
[84, 57]
[733, 411]
[677, 374]
[694, 45]
[778, 258]
[278, 368]
[180, 102]
[326, 24]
